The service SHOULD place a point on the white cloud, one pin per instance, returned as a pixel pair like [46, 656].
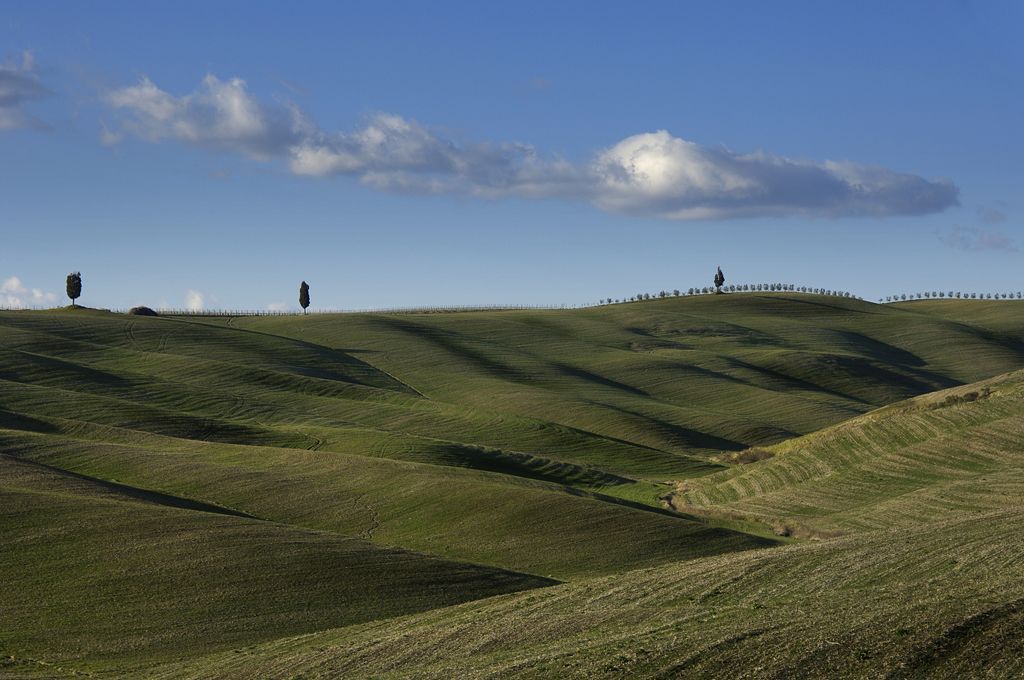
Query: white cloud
[658, 174]
[277, 307]
[20, 84]
[388, 142]
[654, 174]
[14, 294]
[109, 137]
[194, 301]
[220, 114]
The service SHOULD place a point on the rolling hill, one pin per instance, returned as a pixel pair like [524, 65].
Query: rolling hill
[944, 600]
[230, 483]
[941, 455]
[106, 571]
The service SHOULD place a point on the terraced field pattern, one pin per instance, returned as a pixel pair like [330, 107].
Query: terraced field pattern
[742, 485]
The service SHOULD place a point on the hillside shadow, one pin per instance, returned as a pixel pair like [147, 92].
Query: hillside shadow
[706, 330]
[9, 420]
[69, 372]
[452, 344]
[132, 492]
[789, 381]
[689, 437]
[582, 374]
[712, 374]
[862, 370]
[873, 348]
[1008, 341]
[837, 308]
[523, 465]
[325, 363]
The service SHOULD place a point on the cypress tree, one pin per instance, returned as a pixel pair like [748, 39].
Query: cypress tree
[74, 286]
[304, 296]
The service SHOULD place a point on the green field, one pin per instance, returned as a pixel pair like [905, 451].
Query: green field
[542, 493]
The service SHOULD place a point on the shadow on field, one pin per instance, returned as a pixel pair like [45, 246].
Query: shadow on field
[876, 349]
[28, 367]
[523, 465]
[9, 420]
[132, 492]
[688, 437]
[453, 344]
[582, 374]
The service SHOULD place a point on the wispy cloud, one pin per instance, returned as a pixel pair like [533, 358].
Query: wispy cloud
[277, 307]
[109, 137]
[651, 174]
[973, 238]
[194, 301]
[219, 114]
[13, 293]
[19, 85]
[991, 215]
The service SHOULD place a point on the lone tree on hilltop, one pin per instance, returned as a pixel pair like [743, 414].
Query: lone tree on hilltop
[74, 286]
[719, 280]
[304, 296]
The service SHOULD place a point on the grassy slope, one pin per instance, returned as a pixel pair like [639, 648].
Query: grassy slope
[341, 446]
[927, 584]
[95, 571]
[944, 601]
[490, 437]
[688, 376]
[643, 391]
[943, 454]
[462, 514]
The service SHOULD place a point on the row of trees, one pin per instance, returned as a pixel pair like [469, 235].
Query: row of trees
[738, 288]
[957, 295]
[783, 287]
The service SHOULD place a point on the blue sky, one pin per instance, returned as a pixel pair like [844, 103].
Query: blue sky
[405, 154]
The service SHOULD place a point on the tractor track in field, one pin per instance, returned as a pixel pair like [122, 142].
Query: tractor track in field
[10, 660]
[136, 344]
[958, 637]
[129, 333]
[361, 503]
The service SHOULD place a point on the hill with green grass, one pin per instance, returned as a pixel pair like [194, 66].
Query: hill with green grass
[244, 483]
[944, 600]
[941, 455]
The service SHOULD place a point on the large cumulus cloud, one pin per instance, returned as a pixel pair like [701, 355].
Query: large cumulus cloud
[656, 173]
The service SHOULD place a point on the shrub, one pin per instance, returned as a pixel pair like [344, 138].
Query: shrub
[964, 398]
[751, 455]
